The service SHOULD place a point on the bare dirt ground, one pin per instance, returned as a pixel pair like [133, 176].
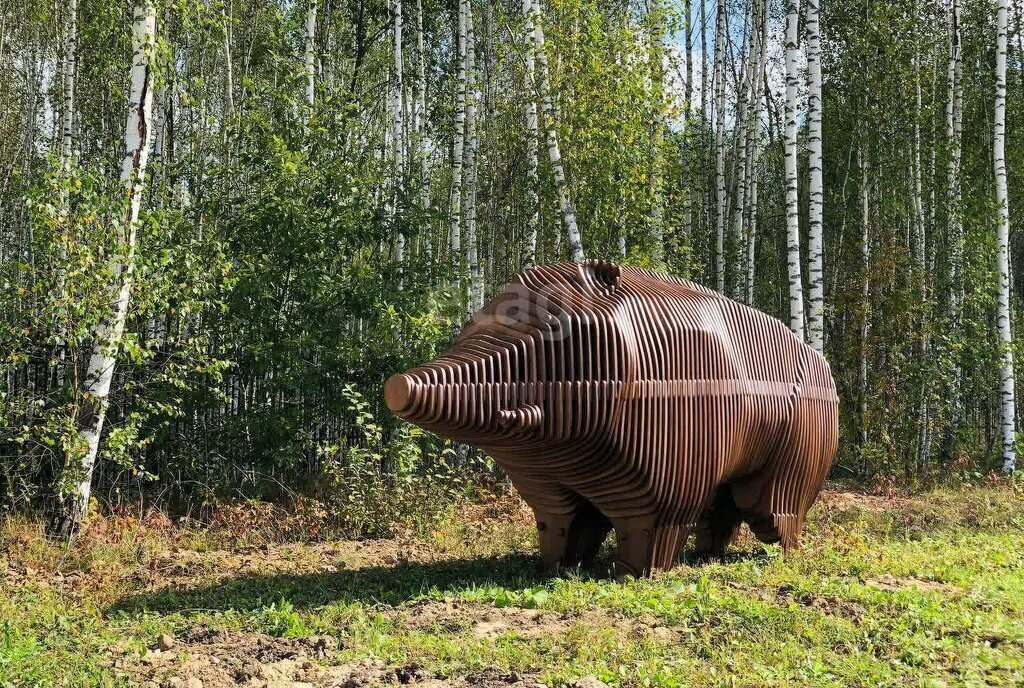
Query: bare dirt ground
[245, 660]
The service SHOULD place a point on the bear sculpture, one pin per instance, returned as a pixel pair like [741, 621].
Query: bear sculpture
[615, 397]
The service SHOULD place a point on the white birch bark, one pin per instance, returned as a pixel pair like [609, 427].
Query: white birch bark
[458, 146]
[420, 115]
[796, 298]
[565, 203]
[815, 250]
[757, 144]
[685, 191]
[76, 485]
[865, 295]
[397, 127]
[657, 134]
[720, 147]
[310, 54]
[954, 123]
[533, 140]
[70, 64]
[1009, 425]
[476, 283]
[954, 126]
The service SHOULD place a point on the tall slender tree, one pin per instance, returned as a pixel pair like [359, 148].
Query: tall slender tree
[720, 124]
[532, 142]
[75, 484]
[309, 59]
[565, 204]
[815, 250]
[458, 145]
[1009, 424]
[796, 292]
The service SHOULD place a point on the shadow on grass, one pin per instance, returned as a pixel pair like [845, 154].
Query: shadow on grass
[389, 585]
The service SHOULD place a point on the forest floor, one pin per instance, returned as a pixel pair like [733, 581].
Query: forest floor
[923, 590]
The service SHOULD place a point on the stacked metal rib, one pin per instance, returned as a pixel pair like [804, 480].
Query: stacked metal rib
[615, 397]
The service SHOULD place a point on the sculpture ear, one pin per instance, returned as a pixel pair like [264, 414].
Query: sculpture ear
[606, 275]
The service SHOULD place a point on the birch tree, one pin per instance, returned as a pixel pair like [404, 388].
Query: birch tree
[70, 65]
[76, 482]
[565, 203]
[397, 127]
[476, 282]
[458, 145]
[1009, 425]
[720, 216]
[532, 141]
[309, 58]
[796, 298]
[954, 199]
[756, 144]
[815, 255]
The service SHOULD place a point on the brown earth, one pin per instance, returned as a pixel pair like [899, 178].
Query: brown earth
[212, 659]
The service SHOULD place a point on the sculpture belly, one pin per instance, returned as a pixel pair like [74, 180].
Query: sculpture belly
[674, 441]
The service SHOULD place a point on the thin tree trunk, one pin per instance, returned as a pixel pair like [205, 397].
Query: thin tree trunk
[70, 63]
[397, 129]
[865, 295]
[310, 54]
[565, 203]
[75, 484]
[720, 147]
[533, 140]
[815, 251]
[476, 285]
[954, 123]
[420, 120]
[657, 133]
[796, 297]
[458, 152]
[1003, 206]
[685, 167]
[756, 143]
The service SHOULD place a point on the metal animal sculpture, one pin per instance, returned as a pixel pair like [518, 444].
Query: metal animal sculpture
[615, 397]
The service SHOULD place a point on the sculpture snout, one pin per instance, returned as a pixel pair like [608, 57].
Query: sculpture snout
[447, 397]
[398, 392]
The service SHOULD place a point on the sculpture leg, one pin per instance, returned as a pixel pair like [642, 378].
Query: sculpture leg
[571, 538]
[644, 547]
[718, 524]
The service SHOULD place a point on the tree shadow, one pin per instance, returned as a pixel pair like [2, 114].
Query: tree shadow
[376, 585]
[383, 585]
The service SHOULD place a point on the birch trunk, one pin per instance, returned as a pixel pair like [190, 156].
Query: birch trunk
[685, 191]
[865, 295]
[565, 203]
[458, 147]
[756, 142]
[720, 147]
[920, 238]
[70, 64]
[76, 481]
[476, 285]
[954, 124]
[657, 135]
[796, 298]
[397, 129]
[420, 114]
[533, 140]
[310, 55]
[815, 254]
[1009, 425]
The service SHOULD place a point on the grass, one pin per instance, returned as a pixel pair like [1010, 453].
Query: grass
[925, 590]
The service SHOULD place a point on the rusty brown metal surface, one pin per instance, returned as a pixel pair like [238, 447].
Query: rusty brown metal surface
[615, 397]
